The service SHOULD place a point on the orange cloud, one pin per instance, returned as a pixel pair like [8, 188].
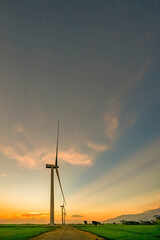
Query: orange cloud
[34, 215]
[18, 129]
[29, 217]
[77, 216]
[25, 159]
[3, 174]
[70, 156]
[98, 147]
[112, 123]
[76, 158]
[36, 157]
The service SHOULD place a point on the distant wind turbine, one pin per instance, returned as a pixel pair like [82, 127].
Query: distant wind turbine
[62, 207]
[63, 213]
[52, 167]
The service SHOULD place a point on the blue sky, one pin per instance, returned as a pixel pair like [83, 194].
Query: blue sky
[95, 66]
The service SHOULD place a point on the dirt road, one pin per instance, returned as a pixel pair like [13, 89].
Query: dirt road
[67, 233]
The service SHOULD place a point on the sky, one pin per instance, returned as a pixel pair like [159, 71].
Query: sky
[94, 65]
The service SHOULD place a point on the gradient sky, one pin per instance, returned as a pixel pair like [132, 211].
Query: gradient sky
[95, 66]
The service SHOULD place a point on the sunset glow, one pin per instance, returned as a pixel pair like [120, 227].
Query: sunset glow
[81, 62]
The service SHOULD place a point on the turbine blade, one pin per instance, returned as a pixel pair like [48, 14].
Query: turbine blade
[57, 145]
[60, 185]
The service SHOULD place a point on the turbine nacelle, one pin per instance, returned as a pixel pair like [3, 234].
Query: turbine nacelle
[51, 166]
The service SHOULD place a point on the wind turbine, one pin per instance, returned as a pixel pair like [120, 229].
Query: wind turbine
[63, 213]
[62, 207]
[52, 167]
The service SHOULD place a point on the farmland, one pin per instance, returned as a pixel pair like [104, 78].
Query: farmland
[123, 232]
[22, 232]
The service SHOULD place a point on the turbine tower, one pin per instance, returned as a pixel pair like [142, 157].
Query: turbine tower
[54, 167]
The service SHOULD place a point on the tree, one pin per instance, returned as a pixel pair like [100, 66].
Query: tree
[123, 221]
[99, 223]
[129, 222]
[157, 217]
[95, 223]
[85, 222]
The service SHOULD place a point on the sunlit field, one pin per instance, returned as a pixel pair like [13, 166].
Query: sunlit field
[22, 232]
[123, 232]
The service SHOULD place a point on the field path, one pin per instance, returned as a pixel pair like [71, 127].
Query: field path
[67, 233]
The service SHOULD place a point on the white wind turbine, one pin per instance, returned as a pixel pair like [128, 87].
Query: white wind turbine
[52, 167]
[63, 213]
[62, 207]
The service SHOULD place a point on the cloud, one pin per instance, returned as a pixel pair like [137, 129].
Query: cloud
[76, 158]
[97, 147]
[136, 175]
[18, 129]
[3, 174]
[33, 215]
[77, 216]
[70, 156]
[111, 124]
[27, 154]
[129, 120]
[117, 123]
[117, 118]
[28, 159]
[29, 217]
[112, 121]
[34, 158]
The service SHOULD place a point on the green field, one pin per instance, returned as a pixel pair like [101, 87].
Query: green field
[22, 232]
[123, 232]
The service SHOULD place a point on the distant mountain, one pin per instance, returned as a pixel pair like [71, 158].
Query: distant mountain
[146, 216]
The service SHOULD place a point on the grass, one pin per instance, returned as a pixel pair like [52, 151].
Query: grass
[22, 231]
[123, 232]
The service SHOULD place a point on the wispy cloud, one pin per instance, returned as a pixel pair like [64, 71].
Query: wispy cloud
[3, 174]
[129, 120]
[76, 158]
[19, 129]
[28, 154]
[117, 122]
[127, 178]
[70, 156]
[35, 158]
[77, 216]
[27, 159]
[116, 119]
[98, 147]
[30, 217]
[34, 215]
[111, 124]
